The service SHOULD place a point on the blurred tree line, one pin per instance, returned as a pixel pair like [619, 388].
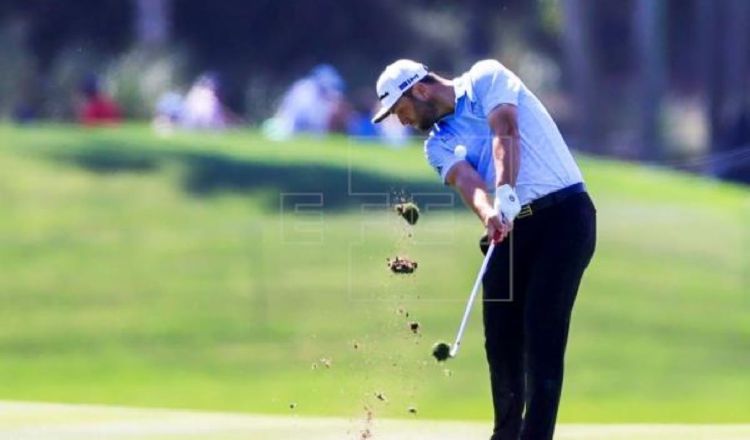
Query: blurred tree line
[656, 80]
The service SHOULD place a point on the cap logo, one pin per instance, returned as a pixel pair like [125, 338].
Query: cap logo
[406, 83]
[382, 97]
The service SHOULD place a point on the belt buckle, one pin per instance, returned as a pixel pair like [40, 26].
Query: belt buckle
[525, 212]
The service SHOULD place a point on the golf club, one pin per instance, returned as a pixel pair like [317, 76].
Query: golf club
[506, 204]
[469, 305]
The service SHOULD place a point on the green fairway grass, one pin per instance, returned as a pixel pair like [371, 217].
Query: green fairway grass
[44, 421]
[215, 271]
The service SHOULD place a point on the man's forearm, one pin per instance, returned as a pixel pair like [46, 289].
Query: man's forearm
[505, 144]
[505, 148]
[472, 191]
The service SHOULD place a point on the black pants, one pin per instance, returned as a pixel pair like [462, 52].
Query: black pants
[529, 288]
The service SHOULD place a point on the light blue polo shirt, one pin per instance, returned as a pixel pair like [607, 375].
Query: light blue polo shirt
[546, 164]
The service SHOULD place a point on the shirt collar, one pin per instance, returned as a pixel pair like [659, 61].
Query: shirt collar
[459, 88]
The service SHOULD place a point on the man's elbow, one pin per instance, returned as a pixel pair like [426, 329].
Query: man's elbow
[505, 112]
[452, 177]
[462, 176]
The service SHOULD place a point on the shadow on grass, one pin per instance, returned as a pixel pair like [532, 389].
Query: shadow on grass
[209, 174]
[110, 162]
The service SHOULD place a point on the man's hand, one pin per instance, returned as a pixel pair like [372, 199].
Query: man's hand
[471, 187]
[507, 203]
[497, 229]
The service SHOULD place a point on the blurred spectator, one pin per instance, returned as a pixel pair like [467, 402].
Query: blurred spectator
[360, 124]
[26, 107]
[97, 108]
[314, 104]
[202, 107]
[170, 106]
[361, 127]
[169, 109]
[24, 113]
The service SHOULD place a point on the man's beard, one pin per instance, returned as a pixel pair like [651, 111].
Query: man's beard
[427, 114]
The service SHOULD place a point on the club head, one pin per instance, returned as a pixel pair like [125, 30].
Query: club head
[441, 351]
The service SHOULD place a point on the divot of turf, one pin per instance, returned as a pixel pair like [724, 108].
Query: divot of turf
[414, 326]
[409, 211]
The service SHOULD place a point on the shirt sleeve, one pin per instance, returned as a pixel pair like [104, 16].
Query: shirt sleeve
[494, 84]
[441, 156]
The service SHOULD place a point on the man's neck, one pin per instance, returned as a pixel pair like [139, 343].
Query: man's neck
[445, 97]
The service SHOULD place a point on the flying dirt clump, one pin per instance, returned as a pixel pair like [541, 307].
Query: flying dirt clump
[441, 351]
[412, 409]
[409, 211]
[414, 327]
[401, 265]
[381, 397]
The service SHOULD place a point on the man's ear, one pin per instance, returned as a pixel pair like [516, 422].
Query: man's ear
[421, 91]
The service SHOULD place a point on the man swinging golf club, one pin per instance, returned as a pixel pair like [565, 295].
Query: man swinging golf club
[490, 136]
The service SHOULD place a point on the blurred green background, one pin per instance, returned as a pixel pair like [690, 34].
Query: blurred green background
[662, 81]
[183, 272]
[152, 265]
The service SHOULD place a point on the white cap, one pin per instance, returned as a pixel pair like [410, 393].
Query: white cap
[396, 79]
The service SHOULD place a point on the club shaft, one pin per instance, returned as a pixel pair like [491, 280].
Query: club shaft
[470, 303]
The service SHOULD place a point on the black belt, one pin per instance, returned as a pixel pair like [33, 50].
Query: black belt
[550, 199]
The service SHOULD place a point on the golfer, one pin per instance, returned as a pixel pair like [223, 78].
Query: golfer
[490, 136]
